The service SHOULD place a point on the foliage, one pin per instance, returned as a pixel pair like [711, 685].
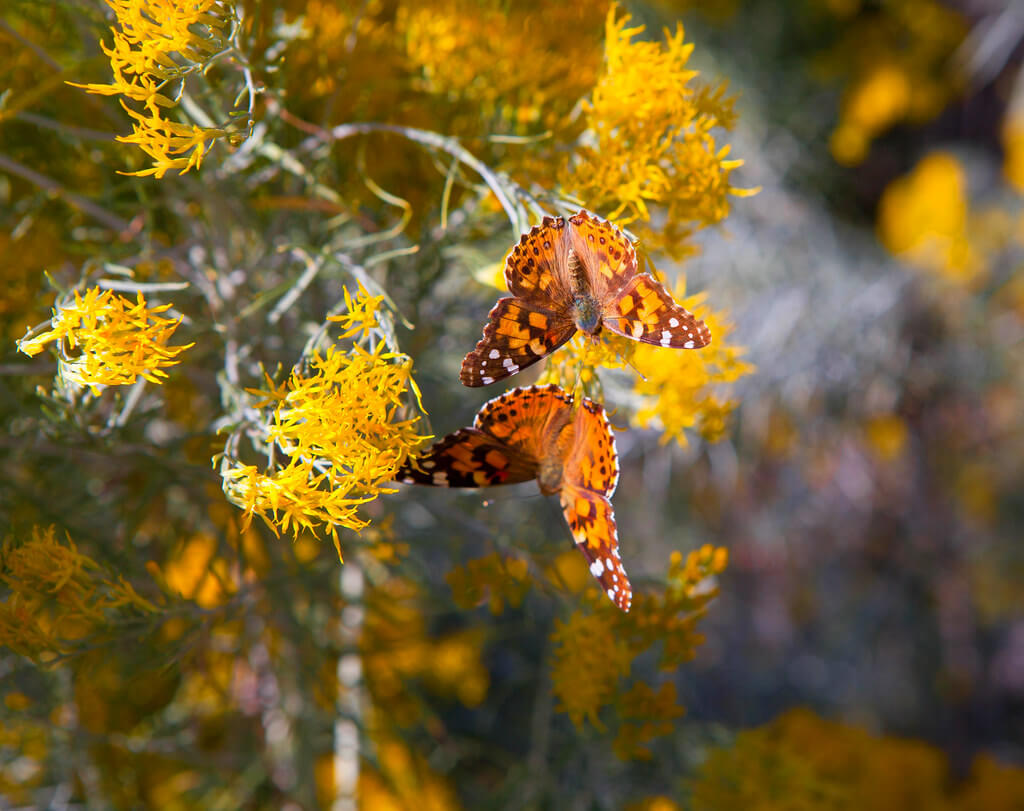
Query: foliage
[297, 257]
[264, 235]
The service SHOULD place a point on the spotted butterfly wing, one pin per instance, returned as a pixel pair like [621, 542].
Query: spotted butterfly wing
[645, 311]
[468, 458]
[565, 275]
[591, 475]
[534, 271]
[504, 445]
[512, 437]
[607, 256]
[516, 336]
[634, 305]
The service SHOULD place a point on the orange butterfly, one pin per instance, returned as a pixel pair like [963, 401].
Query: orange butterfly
[568, 275]
[536, 433]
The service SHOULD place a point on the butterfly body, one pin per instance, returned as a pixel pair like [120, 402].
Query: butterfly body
[540, 433]
[569, 275]
[586, 314]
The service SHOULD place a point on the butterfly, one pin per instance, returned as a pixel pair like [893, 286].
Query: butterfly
[537, 433]
[569, 275]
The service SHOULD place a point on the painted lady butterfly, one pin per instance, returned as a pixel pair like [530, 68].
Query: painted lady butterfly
[568, 275]
[535, 433]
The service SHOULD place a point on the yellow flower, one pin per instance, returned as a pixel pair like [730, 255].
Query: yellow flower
[588, 662]
[647, 715]
[197, 574]
[871, 106]
[170, 145]
[992, 786]
[511, 62]
[360, 316]
[1013, 144]
[677, 388]
[898, 62]
[574, 366]
[56, 595]
[886, 436]
[399, 651]
[337, 431]
[593, 651]
[157, 44]
[649, 140]
[400, 779]
[804, 763]
[923, 219]
[106, 340]
[492, 579]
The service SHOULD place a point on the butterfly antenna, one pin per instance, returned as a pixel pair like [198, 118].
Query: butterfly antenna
[640, 374]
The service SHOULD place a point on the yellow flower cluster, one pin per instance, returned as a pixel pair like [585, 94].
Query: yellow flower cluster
[106, 340]
[157, 44]
[646, 714]
[496, 580]
[574, 366]
[595, 650]
[649, 140]
[397, 649]
[197, 569]
[800, 761]
[677, 389]
[533, 79]
[400, 779]
[57, 596]
[336, 424]
[589, 659]
[671, 616]
[898, 61]
[923, 219]
[360, 317]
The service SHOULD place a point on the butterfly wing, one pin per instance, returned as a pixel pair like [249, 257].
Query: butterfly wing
[591, 473]
[503, 446]
[606, 253]
[535, 268]
[592, 523]
[645, 311]
[517, 335]
[468, 458]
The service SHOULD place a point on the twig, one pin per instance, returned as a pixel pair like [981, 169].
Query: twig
[85, 133]
[312, 269]
[75, 200]
[445, 143]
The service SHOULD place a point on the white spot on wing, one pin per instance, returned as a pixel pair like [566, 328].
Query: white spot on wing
[494, 354]
[487, 380]
[666, 337]
[688, 345]
[597, 567]
[673, 322]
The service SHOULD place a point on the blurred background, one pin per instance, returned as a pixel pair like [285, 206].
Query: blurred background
[864, 646]
[871, 494]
